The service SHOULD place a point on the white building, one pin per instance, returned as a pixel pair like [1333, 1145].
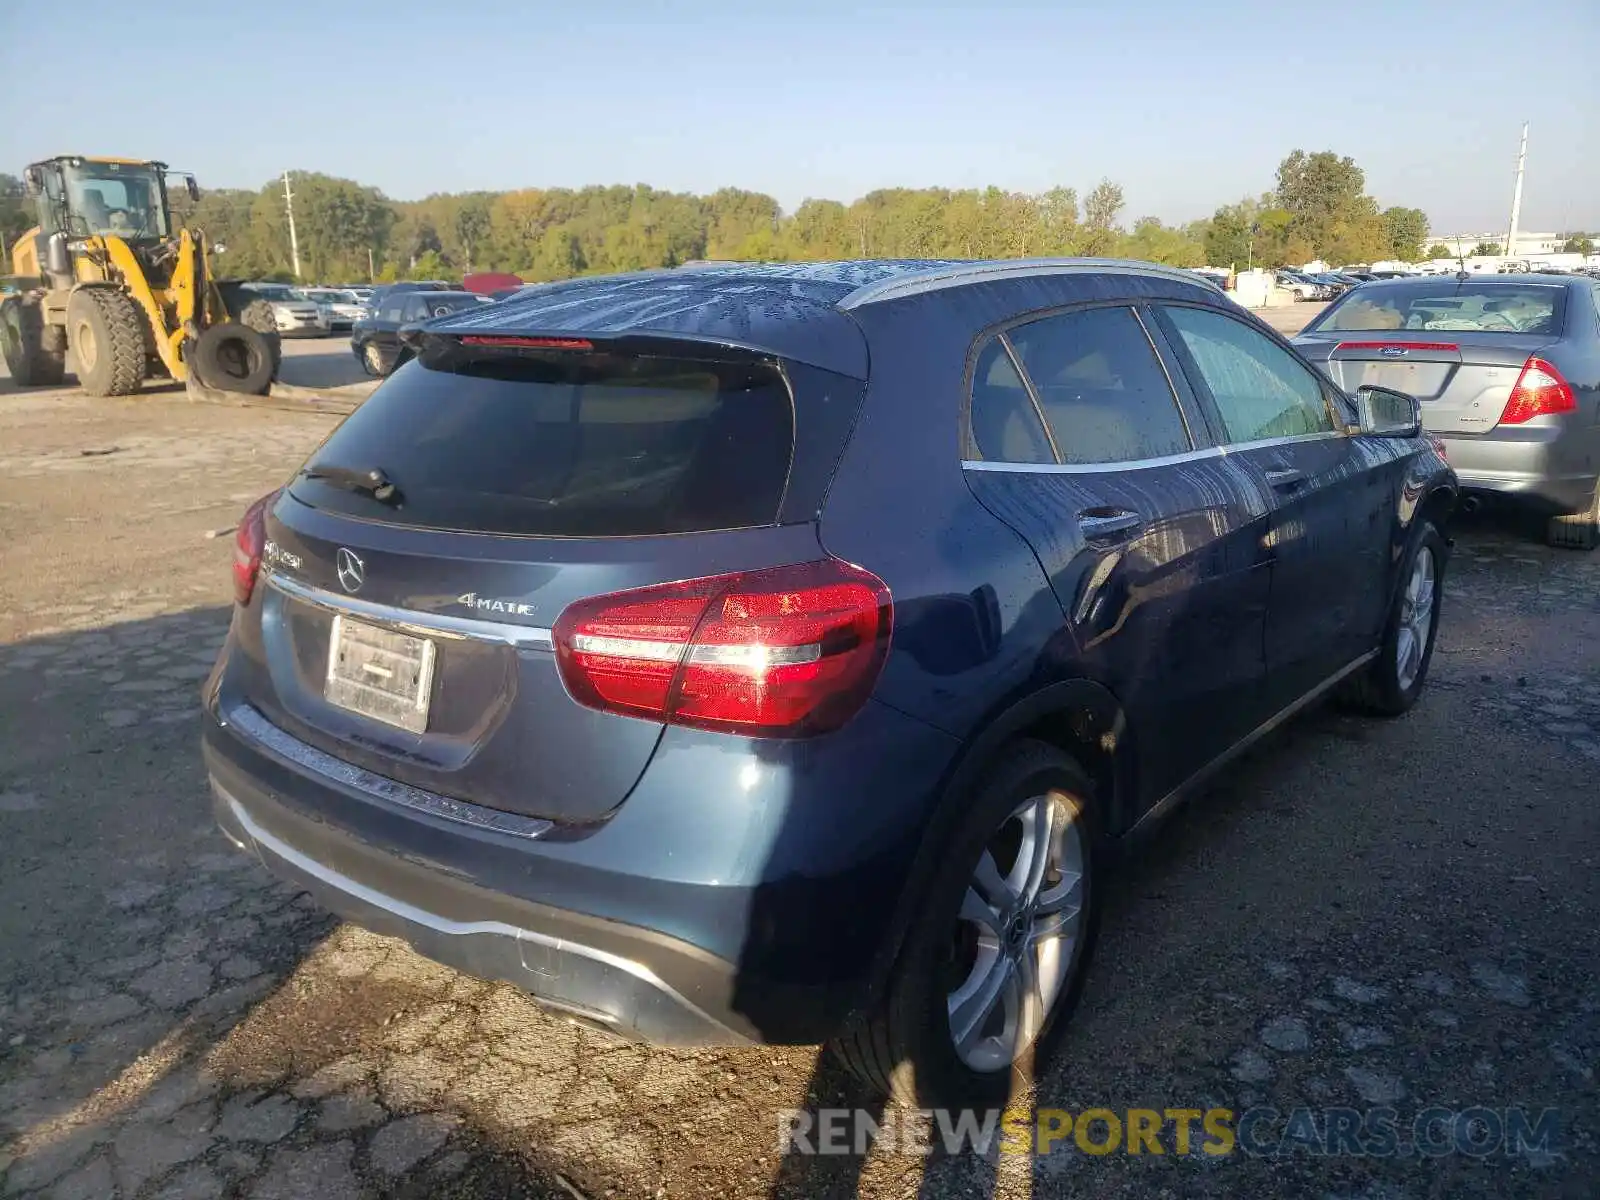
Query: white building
[1527, 243]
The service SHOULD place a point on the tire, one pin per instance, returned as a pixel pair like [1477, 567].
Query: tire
[108, 336]
[257, 315]
[231, 357]
[907, 1049]
[1576, 531]
[22, 337]
[1386, 688]
[372, 361]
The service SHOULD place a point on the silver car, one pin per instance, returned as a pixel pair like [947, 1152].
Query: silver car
[340, 309]
[293, 311]
[1507, 368]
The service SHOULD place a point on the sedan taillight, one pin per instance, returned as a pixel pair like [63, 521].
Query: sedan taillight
[1540, 390]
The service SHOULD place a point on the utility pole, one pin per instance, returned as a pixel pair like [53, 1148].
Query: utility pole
[294, 242]
[1516, 195]
[372, 272]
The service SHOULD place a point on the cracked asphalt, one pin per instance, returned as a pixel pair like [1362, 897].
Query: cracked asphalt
[1361, 914]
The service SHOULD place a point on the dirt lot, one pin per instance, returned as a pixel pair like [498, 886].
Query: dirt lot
[1362, 914]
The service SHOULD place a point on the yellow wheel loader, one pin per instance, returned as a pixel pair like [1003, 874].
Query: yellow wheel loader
[106, 277]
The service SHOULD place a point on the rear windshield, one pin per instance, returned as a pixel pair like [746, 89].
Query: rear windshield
[440, 304]
[567, 444]
[1464, 307]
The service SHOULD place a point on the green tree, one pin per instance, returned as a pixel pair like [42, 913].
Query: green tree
[431, 265]
[818, 231]
[1331, 216]
[1578, 243]
[1100, 211]
[470, 225]
[1155, 242]
[1440, 250]
[1489, 249]
[16, 214]
[734, 217]
[1405, 229]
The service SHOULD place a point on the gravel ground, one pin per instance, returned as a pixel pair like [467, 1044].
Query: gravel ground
[1362, 914]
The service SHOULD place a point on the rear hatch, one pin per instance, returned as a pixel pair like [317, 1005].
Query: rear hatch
[403, 619]
[1458, 347]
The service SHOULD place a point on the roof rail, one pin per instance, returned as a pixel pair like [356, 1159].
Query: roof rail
[955, 275]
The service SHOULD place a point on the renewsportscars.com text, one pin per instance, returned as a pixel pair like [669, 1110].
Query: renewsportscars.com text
[1476, 1131]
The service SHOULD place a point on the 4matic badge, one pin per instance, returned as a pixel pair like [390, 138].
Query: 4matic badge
[483, 604]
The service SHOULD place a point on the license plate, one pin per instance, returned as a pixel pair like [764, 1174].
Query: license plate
[379, 673]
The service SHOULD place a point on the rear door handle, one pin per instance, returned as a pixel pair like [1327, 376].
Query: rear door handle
[1108, 524]
[1285, 479]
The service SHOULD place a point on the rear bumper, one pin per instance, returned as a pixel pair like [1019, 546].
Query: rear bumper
[699, 913]
[1546, 465]
[597, 973]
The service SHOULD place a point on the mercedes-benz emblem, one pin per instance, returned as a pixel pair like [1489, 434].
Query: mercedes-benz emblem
[352, 571]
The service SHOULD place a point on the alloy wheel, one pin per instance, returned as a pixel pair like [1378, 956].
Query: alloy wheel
[1018, 932]
[1416, 618]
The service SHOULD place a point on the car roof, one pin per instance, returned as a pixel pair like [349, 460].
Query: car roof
[800, 311]
[1472, 277]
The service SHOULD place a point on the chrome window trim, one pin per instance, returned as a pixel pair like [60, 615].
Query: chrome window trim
[1140, 464]
[246, 720]
[937, 278]
[523, 637]
[1033, 393]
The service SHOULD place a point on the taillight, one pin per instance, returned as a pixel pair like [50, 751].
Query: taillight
[782, 652]
[249, 540]
[1540, 389]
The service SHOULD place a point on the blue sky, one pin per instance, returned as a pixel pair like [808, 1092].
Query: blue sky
[1187, 103]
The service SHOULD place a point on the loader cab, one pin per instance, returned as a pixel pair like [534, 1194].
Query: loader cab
[94, 197]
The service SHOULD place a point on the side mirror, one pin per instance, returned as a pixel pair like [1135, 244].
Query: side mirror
[33, 181]
[1384, 412]
[192, 187]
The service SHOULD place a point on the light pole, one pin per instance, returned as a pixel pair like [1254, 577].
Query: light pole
[294, 243]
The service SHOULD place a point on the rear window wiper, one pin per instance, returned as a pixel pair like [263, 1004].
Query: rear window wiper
[369, 481]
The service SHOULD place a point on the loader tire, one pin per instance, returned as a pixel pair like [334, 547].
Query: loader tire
[108, 337]
[257, 315]
[232, 357]
[22, 337]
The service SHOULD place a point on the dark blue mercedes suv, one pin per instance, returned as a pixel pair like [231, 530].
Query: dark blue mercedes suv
[775, 653]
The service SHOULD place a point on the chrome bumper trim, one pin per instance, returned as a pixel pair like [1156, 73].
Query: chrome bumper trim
[524, 637]
[244, 719]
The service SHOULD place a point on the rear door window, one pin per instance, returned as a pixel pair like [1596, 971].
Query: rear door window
[1261, 390]
[568, 444]
[1006, 426]
[1100, 386]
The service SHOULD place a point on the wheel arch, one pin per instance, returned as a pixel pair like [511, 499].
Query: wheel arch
[1079, 716]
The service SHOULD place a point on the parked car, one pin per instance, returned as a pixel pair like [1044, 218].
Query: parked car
[412, 285]
[1303, 287]
[1507, 369]
[340, 309]
[294, 312]
[375, 340]
[778, 653]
